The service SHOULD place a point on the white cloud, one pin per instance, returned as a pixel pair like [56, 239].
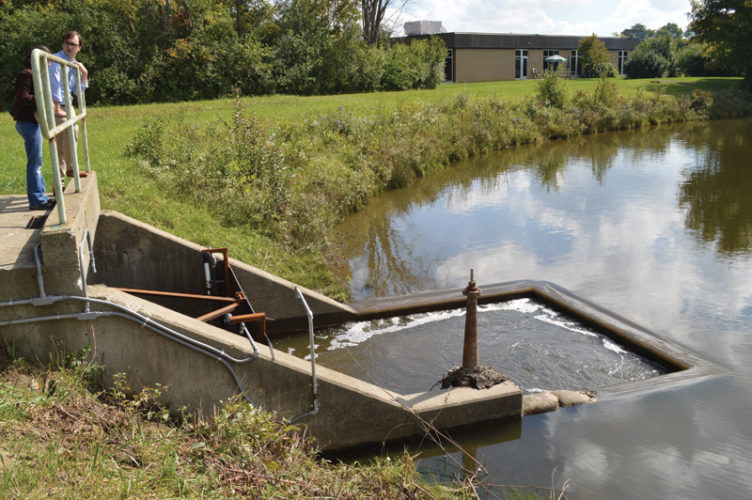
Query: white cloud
[566, 17]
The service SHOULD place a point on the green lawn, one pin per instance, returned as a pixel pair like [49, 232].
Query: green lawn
[127, 187]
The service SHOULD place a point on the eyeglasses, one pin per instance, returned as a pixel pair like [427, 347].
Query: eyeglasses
[72, 44]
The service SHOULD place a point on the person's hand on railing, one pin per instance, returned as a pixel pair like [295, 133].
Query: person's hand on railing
[59, 110]
[84, 73]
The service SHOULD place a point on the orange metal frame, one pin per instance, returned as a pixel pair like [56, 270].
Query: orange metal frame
[234, 299]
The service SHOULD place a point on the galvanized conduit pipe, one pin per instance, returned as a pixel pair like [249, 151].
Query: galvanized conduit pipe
[84, 276]
[314, 383]
[166, 332]
[40, 279]
[196, 345]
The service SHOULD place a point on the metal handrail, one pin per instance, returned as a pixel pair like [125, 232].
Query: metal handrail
[314, 382]
[41, 73]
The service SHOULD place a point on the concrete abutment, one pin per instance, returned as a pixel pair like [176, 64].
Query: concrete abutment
[53, 308]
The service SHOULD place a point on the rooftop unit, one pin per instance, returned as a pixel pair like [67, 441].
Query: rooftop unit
[422, 28]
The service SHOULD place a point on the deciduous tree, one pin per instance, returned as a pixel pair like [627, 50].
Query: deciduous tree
[372, 16]
[726, 27]
[593, 53]
[638, 31]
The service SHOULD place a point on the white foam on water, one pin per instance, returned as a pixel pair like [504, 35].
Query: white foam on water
[361, 331]
[556, 320]
[613, 347]
[357, 333]
[535, 389]
[526, 306]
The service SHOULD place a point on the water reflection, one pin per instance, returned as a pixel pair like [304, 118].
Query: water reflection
[654, 225]
[716, 191]
[533, 202]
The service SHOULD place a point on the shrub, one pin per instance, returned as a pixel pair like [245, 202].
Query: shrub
[653, 58]
[646, 64]
[605, 93]
[605, 70]
[397, 69]
[551, 91]
[418, 65]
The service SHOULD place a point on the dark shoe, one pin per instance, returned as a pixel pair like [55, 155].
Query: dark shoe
[81, 173]
[44, 206]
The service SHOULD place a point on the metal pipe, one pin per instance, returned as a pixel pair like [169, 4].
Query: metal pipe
[314, 382]
[91, 251]
[40, 73]
[83, 268]
[156, 327]
[71, 117]
[207, 257]
[250, 339]
[470, 346]
[40, 278]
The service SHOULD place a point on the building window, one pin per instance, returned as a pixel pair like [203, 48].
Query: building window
[448, 67]
[520, 64]
[622, 61]
[549, 66]
[574, 60]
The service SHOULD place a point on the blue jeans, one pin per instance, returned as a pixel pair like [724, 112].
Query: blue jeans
[35, 188]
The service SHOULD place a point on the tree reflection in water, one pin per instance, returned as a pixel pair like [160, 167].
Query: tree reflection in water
[714, 194]
[717, 193]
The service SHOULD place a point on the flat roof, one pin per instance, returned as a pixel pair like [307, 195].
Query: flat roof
[469, 40]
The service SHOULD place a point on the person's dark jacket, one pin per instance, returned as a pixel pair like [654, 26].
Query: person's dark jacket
[24, 102]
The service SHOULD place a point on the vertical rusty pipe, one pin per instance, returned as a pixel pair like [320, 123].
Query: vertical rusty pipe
[470, 347]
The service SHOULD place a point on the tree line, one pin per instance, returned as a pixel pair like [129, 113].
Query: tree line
[173, 50]
[715, 44]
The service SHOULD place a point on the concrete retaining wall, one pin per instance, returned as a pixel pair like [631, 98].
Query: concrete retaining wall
[131, 254]
[46, 323]
[352, 412]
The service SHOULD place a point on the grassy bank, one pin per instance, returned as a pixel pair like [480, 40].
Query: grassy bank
[61, 440]
[268, 176]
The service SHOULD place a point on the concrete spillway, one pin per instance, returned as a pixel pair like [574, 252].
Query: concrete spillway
[52, 299]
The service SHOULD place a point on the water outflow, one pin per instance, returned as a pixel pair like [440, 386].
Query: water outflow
[536, 346]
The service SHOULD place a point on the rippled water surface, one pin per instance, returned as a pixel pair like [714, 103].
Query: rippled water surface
[536, 347]
[655, 225]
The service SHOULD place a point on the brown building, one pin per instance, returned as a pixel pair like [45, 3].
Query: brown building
[485, 57]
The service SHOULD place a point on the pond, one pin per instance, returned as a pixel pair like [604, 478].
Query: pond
[655, 225]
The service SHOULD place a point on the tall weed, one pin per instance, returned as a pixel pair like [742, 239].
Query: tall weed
[551, 91]
[294, 182]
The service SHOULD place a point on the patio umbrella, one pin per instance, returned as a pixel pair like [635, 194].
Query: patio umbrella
[555, 59]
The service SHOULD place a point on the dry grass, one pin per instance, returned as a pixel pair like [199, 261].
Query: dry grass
[61, 440]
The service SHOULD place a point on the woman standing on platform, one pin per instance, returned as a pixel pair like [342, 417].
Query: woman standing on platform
[24, 111]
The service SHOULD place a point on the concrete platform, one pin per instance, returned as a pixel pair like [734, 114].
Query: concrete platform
[17, 243]
[59, 243]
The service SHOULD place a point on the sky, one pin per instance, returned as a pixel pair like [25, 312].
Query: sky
[545, 17]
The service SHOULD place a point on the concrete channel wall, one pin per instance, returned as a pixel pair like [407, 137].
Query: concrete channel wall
[50, 311]
[131, 254]
[51, 308]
